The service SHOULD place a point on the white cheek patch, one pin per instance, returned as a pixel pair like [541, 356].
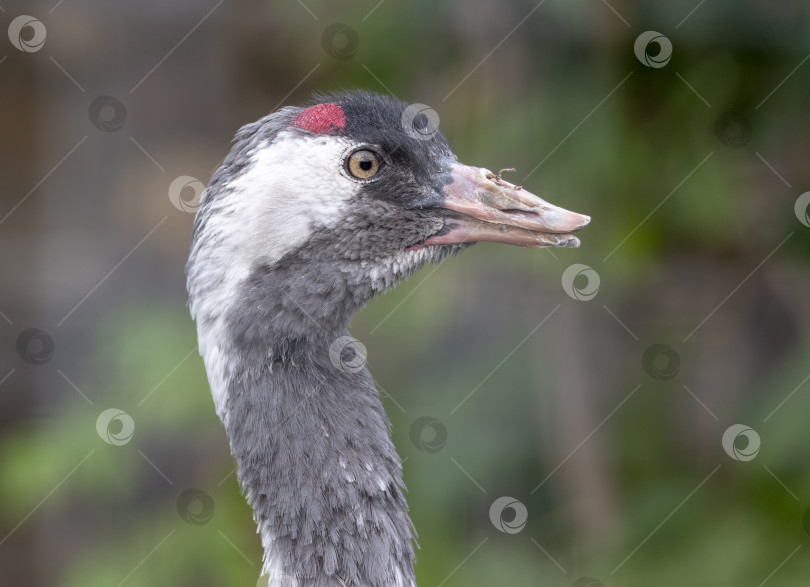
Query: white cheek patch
[291, 186]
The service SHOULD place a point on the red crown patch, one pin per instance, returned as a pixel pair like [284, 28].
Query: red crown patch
[321, 119]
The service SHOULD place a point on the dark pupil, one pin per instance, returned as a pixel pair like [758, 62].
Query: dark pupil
[365, 164]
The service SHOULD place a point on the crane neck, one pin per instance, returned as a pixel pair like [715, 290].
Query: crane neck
[311, 442]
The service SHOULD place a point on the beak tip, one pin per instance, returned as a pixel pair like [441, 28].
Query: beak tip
[584, 221]
[571, 222]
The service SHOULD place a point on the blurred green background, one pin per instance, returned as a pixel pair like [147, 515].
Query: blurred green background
[606, 421]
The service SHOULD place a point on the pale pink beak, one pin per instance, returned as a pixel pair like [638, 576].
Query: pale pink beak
[488, 208]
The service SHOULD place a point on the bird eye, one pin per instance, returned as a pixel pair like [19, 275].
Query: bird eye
[363, 164]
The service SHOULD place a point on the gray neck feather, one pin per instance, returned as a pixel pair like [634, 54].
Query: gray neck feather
[310, 439]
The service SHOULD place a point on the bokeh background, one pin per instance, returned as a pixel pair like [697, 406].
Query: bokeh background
[600, 406]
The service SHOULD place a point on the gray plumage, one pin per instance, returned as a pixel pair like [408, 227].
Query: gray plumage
[287, 244]
[311, 441]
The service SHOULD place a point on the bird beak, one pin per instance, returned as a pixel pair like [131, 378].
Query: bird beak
[487, 208]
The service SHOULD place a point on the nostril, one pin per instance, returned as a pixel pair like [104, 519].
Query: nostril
[519, 211]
